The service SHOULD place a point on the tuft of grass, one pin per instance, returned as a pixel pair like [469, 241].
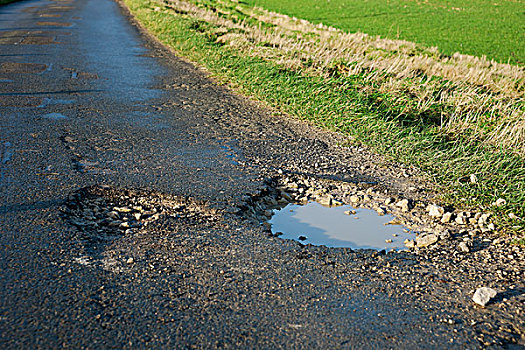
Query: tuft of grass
[287, 63]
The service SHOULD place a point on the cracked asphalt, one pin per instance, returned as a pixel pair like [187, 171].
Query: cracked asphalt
[88, 99]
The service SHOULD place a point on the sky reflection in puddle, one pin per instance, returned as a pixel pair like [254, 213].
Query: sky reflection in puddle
[331, 227]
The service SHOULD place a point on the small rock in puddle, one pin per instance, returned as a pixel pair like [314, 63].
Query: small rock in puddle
[333, 227]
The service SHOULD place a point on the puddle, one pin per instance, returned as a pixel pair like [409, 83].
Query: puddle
[8, 153]
[54, 116]
[330, 226]
[55, 101]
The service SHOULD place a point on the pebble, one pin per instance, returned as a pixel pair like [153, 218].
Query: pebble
[445, 234]
[446, 218]
[403, 204]
[463, 247]
[435, 211]
[483, 295]
[325, 201]
[354, 199]
[113, 215]
[380, 211]
[350, 212]
[500, 202]
[130, 261]
[409, 243]
[461, 219]
[122, 210]
[426, 240]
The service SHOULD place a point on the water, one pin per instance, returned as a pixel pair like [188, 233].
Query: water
[55, 116]
[318, 225]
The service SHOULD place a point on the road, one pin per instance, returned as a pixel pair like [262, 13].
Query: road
[86, 99]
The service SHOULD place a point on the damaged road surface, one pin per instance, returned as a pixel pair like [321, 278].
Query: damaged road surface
[135, 195]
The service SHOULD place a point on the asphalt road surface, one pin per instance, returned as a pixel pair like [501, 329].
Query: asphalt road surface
[87, 100]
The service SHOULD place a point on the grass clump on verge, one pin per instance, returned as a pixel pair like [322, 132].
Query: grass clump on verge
[453, 117]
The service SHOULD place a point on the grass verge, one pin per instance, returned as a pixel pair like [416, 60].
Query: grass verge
[403, 115]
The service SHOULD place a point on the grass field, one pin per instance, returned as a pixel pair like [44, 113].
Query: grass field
[452, 117]
[476, 27]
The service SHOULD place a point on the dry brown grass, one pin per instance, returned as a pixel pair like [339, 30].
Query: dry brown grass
[475, 94]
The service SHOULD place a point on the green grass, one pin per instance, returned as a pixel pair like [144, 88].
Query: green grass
[351, 105]
[476, 27]
[4, 2]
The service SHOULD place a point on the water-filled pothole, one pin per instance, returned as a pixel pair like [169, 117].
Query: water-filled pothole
[339, 226]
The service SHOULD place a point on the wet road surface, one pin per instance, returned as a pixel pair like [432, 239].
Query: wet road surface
[86, 100]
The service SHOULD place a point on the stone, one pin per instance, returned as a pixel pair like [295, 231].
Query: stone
[354, 199]
[473, 178]
[389, 201]
[463, 247]
[286, 196]
[124, 225]
[409, 243]
[325, 201]
[336, 203]
[388, 241]
[113, 215]
[435, 211]
[483, 295]
[403, 204]
[130, 261]
[500, 202]
[426, 240]
[445, 234]
[350, 212]
[461, 219]
[380, 211]
[122, 210]
[483, 219]
[446, 218]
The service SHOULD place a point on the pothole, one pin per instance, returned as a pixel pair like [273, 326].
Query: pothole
[339, 226]
[318, 215]
[103, 213]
